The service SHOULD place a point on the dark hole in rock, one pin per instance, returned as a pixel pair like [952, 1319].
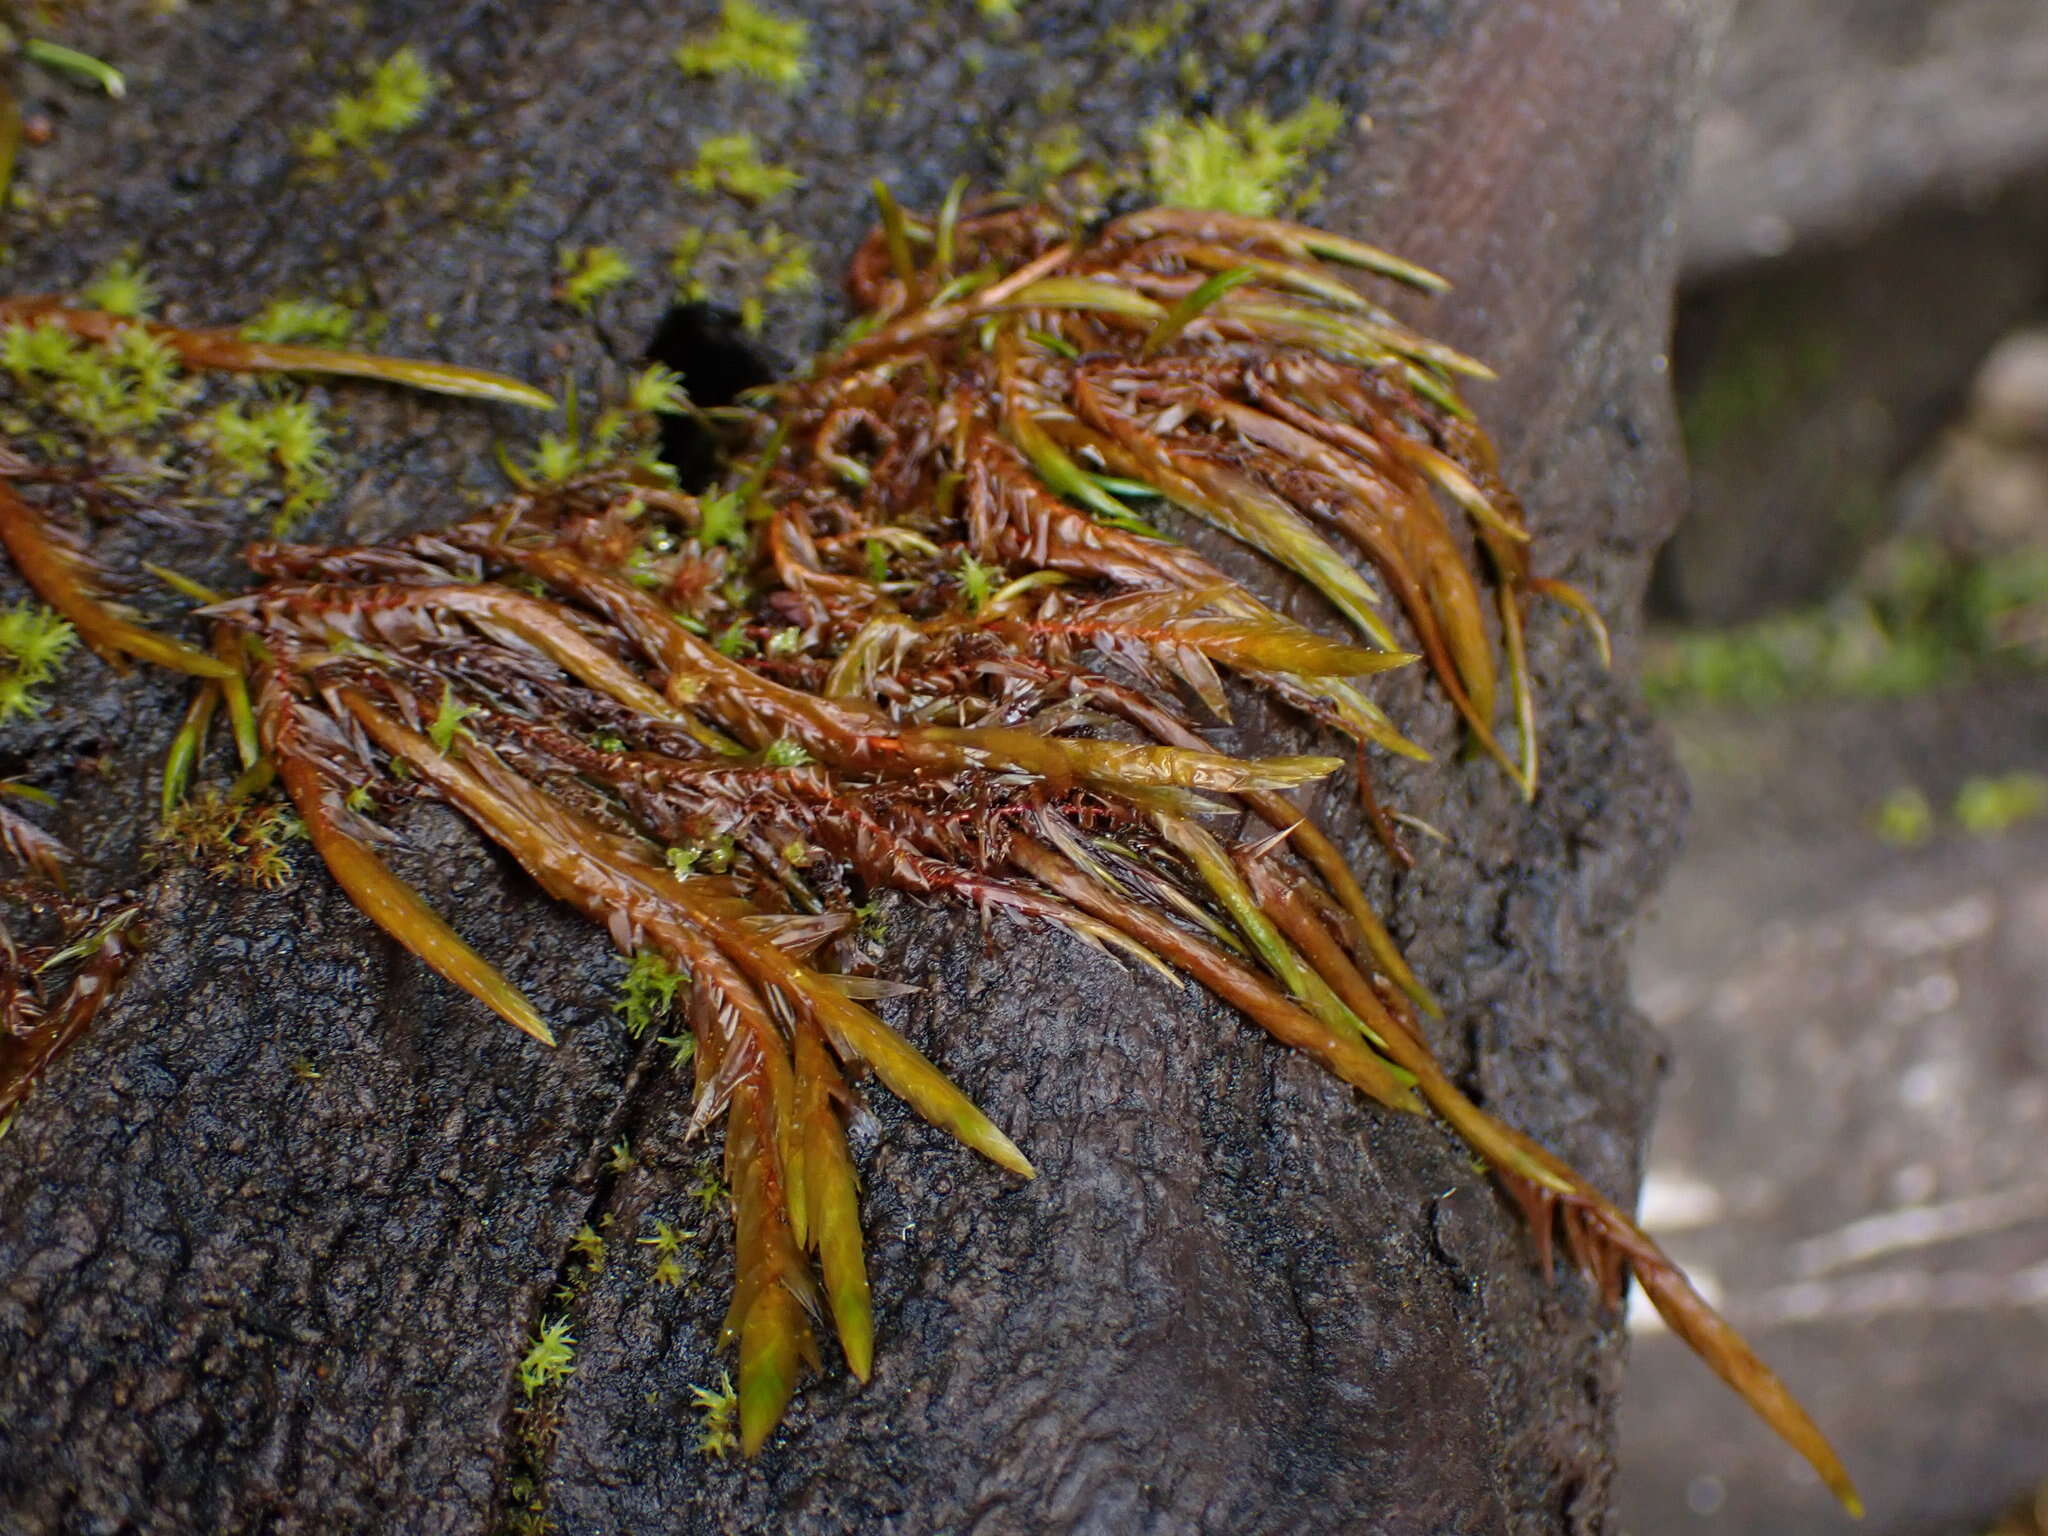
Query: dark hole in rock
[718, 362]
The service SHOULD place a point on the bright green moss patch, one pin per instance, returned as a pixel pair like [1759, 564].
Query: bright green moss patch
[718, 1411]
[261, 447]
[280, 450]
[550, 1359]
[588, 272]
[743, 269]
[1904, 819]
[1986, 807]
[1145, 39]
[748, 41]
[1928, 618]
[1249, 163]
[105, 391]
[303, 320]
[732, 163]
[33, 643]
[123, 288]
[647, 992]
[395, 96]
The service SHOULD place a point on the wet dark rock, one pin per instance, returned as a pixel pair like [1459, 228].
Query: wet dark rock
[234, 1298]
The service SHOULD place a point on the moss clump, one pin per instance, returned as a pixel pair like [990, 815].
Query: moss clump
[1145, 39]
[283, 449]
[33, 644]
[621, 435]
[106, 392]
[1249, 163]
[122, 288]
[395, 96]
[748, 41]
[230, 839]
[303, 320]
[732, 163]
[744, 269]
[1924, 619]
[1986, 807]
[719, 1408]
[647, 993]
[550, 1358]
[589, 272]
[1904, 819]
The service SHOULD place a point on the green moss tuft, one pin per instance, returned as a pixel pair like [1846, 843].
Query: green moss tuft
[732, 163]
[647, 993]
[748, 41]
[551, 1357]
[1986, 807]
[590, 271]
[1145, 39]
[395, 97]
[284, 444]
[107, 390]
[1904, 819]
[720, 1410]
[303, 320]
[122, 288]
[1249, 164]
[33, 643]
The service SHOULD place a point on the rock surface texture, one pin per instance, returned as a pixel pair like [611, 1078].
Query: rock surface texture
[232, 1298]
[1866, 218]
[1850, 1149]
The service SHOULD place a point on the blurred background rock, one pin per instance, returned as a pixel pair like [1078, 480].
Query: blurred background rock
[1851, 964]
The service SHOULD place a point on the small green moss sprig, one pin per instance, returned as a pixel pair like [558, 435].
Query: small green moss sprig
[710, 1190]
[107, 391]
[586, 273]
[748, 41]
[446, 730]
[550, 1359]
[394, 97]
[33, 643]
[667, 1244]
[1987, 806]
[284, 446]
[1145, 39]
[977, 583]
[647, 992]
[732, 163]
[718, 1408]
[229, 837]
[1248, 164]
[122, 288]
[589, 1246]
[1923, 618]
[622, 434]
[1904, 818]
[657, 390]
[752, 269]
[303, 320]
